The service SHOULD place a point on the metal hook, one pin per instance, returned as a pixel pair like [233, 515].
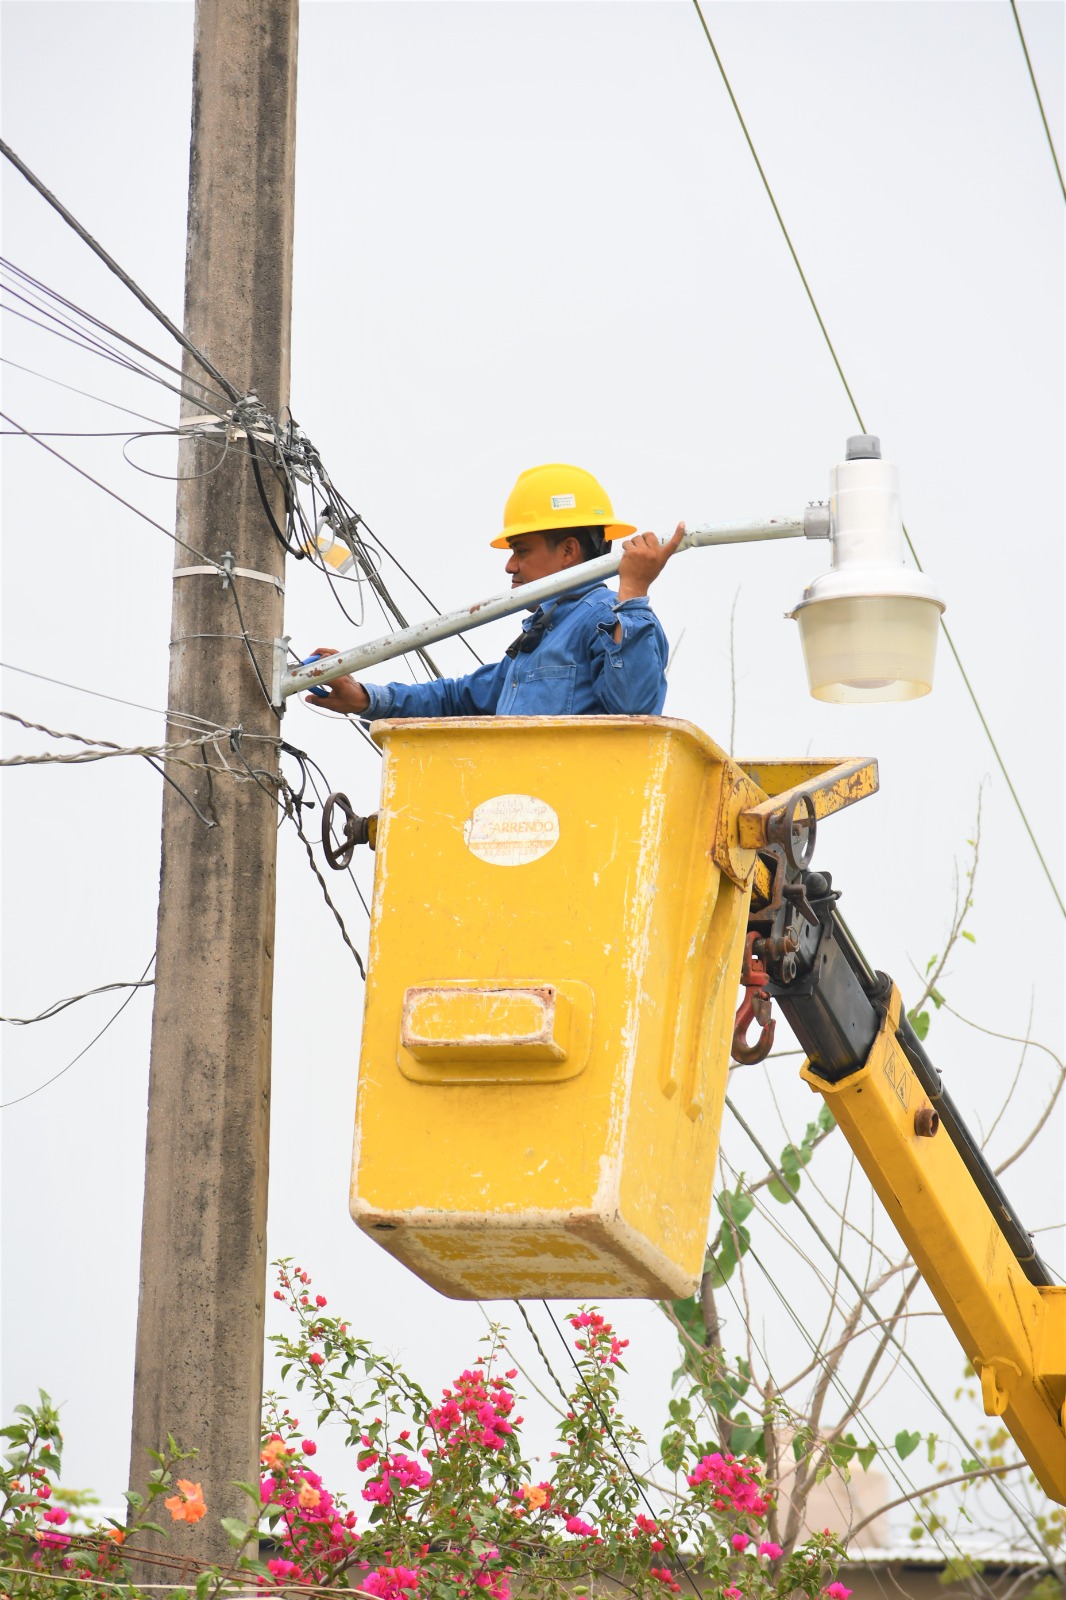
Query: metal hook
[755, 1007]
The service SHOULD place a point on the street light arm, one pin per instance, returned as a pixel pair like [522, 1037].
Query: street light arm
[525, 598]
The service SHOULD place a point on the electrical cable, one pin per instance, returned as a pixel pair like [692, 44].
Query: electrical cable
[7, 361]
[624, 1460]
[119, 361]
[859, 418]
[5, 1105]
[897, 1472]
[85, 338]
[28, 279]
[971, 1449]
[61, 1005]
[102, 749]
[232, 587]
[136, 510]
[1036, 91]
[293, 811]
[98, 694]
[149, 305]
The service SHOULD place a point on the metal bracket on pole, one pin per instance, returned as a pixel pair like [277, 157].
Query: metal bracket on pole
[279, 661]
[527, 597]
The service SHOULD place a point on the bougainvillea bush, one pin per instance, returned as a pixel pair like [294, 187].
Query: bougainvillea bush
[442, 1502]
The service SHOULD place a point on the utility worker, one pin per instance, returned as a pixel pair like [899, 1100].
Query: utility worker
[589, 652]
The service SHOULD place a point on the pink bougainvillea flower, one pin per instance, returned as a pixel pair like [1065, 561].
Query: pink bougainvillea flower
[768, 1548]
[316, 1358]
[188, 1504]
[740, 1541]
[667, 1579]
[56, 1514]
[732, 1593]
[579, 1525]
[309, 1447]
[836, 1591]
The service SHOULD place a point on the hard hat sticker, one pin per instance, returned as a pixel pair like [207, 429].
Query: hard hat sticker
[563, 502]
[511, 829]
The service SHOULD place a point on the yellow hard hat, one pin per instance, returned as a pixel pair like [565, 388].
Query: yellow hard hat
[558, 497]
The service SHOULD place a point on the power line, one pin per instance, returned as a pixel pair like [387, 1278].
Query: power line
[7, 361]
[100, 749]
[28, 280]
[56, 1075]
[129, 507]
[98, 694]
[900, 1474]
[97, 348]
[149, 305]
[605, 1421]
[61, 1005]
[971, 1449]
[859, 418]
[1036, 91]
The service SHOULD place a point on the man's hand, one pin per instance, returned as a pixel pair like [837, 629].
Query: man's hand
[643, 558]
[344, 694]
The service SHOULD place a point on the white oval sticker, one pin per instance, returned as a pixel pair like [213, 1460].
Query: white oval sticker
[511, 829]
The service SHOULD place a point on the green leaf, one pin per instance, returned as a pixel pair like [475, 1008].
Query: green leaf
[966, 934]
[784, 1188]
[238, 1531]
[907, 1443]
[919, 1021]
[930, 1445]
[931, 963]
[936, 997]
[203, 1583]
[735, 1205]
[826, 1119]
[690, 1316]
[866, 1455]
[971, 1466]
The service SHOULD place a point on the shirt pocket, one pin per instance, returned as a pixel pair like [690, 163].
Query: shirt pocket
[546, 691]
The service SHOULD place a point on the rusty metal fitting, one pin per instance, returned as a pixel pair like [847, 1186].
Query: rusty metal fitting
[926, 1122]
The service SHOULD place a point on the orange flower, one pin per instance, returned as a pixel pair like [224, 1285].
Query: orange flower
[273, 1451]
[118, 1534]
[536, 1495]
[308, 1497]
[188, 1506]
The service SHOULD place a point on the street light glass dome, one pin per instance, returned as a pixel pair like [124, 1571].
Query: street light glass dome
[870, 648]
[869, 626]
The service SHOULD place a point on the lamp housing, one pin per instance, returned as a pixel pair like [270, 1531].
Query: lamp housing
[869, 626]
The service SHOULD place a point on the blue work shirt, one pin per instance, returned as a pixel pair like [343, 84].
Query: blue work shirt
[575, 670]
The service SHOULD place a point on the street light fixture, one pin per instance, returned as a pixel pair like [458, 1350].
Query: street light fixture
[869, 626]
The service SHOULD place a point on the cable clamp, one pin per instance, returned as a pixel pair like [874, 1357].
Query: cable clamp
[231, 571]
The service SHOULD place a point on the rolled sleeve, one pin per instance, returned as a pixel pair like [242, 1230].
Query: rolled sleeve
[630, 675]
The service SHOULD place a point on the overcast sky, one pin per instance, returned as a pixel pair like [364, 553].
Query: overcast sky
[527, 232]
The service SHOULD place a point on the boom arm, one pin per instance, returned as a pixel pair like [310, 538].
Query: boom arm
[865, 1059]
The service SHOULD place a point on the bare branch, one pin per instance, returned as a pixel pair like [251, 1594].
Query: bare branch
[942, 1483]
[1034, 1044]
[963, 905]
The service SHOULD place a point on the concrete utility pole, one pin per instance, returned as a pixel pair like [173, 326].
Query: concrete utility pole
[203, 1246]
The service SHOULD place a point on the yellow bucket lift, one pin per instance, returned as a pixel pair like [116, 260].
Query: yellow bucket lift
[558, 926]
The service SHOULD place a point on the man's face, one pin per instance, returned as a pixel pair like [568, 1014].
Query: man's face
[533, 557]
